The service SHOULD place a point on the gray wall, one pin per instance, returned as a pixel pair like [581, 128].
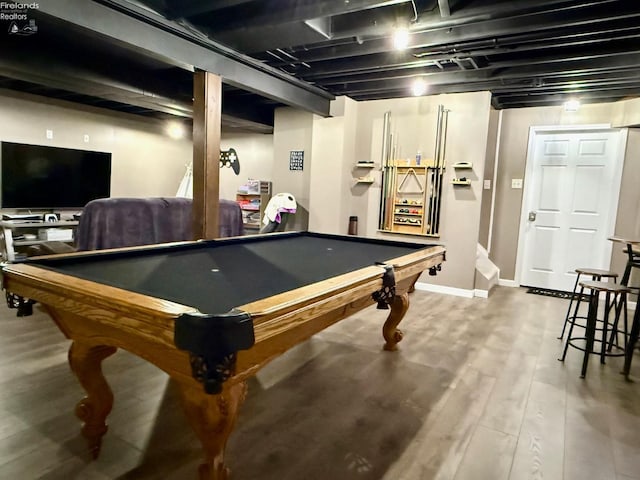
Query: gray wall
[489, 165]
[146, 162]
[255, 152]
[293, 130]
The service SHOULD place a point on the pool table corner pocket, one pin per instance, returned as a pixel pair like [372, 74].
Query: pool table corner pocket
[212, 342]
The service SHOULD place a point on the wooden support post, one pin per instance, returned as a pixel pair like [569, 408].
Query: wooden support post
[207, 109]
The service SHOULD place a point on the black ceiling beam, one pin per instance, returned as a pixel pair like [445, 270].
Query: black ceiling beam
[498, 102]
[499, 106]
[269, 37]
[465, 11]
[377, 22]
[594, 80]
[363, 71]
[517, 43]
[497, 87]
[87, 83]
[575, 93]
[562, 97]
[557, 65]
[83, 87]
[397, 60]
[140, 30]
[493, 30]
[566, 69]
[445, 9]
[187, 9]
[276, 12]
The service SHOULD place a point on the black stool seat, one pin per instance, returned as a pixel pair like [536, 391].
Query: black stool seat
[613, 291]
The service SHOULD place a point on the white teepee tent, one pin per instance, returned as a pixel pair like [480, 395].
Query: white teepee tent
[185, 189]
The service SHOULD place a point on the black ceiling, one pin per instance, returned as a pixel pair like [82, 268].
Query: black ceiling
[527, 53]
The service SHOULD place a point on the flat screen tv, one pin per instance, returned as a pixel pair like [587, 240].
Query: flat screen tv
[42, 177]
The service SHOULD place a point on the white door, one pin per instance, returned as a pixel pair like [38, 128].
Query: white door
[570, 203]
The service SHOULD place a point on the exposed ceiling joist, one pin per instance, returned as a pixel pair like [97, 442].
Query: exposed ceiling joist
[491, 30]
[445, 10]
[274, 12]
[199, 7]
[180, 47]
[621, 61]
[87, 83]
[526, 52]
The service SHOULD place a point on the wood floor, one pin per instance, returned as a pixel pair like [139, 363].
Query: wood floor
[475, 392]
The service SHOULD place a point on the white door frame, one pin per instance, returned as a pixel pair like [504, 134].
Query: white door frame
[527, 192]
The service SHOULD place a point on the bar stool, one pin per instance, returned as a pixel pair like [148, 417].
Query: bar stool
[612, 291]
[633, 261]
[633, 339]
[596, 275]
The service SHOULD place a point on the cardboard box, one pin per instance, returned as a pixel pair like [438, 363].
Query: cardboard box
[58, 234]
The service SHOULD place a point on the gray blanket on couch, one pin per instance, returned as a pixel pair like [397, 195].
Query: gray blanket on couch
[126, 222]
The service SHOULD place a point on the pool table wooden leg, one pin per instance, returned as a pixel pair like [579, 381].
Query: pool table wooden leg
[213, 417]
[86, 364]
[391, 333]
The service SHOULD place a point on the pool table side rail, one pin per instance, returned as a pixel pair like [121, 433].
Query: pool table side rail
[17, 277]
[262, 310]
[102, 315]
[79, 296]
[276, 331]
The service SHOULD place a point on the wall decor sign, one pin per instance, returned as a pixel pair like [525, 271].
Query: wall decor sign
[296, 159]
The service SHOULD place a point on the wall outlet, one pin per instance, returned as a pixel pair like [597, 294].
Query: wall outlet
[516, 183]
[487, 184]
[49, 134]
[86, 138]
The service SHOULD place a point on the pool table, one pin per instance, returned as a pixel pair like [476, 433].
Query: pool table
[212, 313]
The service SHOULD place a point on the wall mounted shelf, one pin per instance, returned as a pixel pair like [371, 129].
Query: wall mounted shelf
[364, 180]
[456, 181]
[463, 165]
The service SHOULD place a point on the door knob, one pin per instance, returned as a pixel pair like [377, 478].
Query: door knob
[532, 216]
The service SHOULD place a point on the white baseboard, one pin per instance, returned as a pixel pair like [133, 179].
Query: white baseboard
[508, 283]
[481, 293]
[458, 292]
